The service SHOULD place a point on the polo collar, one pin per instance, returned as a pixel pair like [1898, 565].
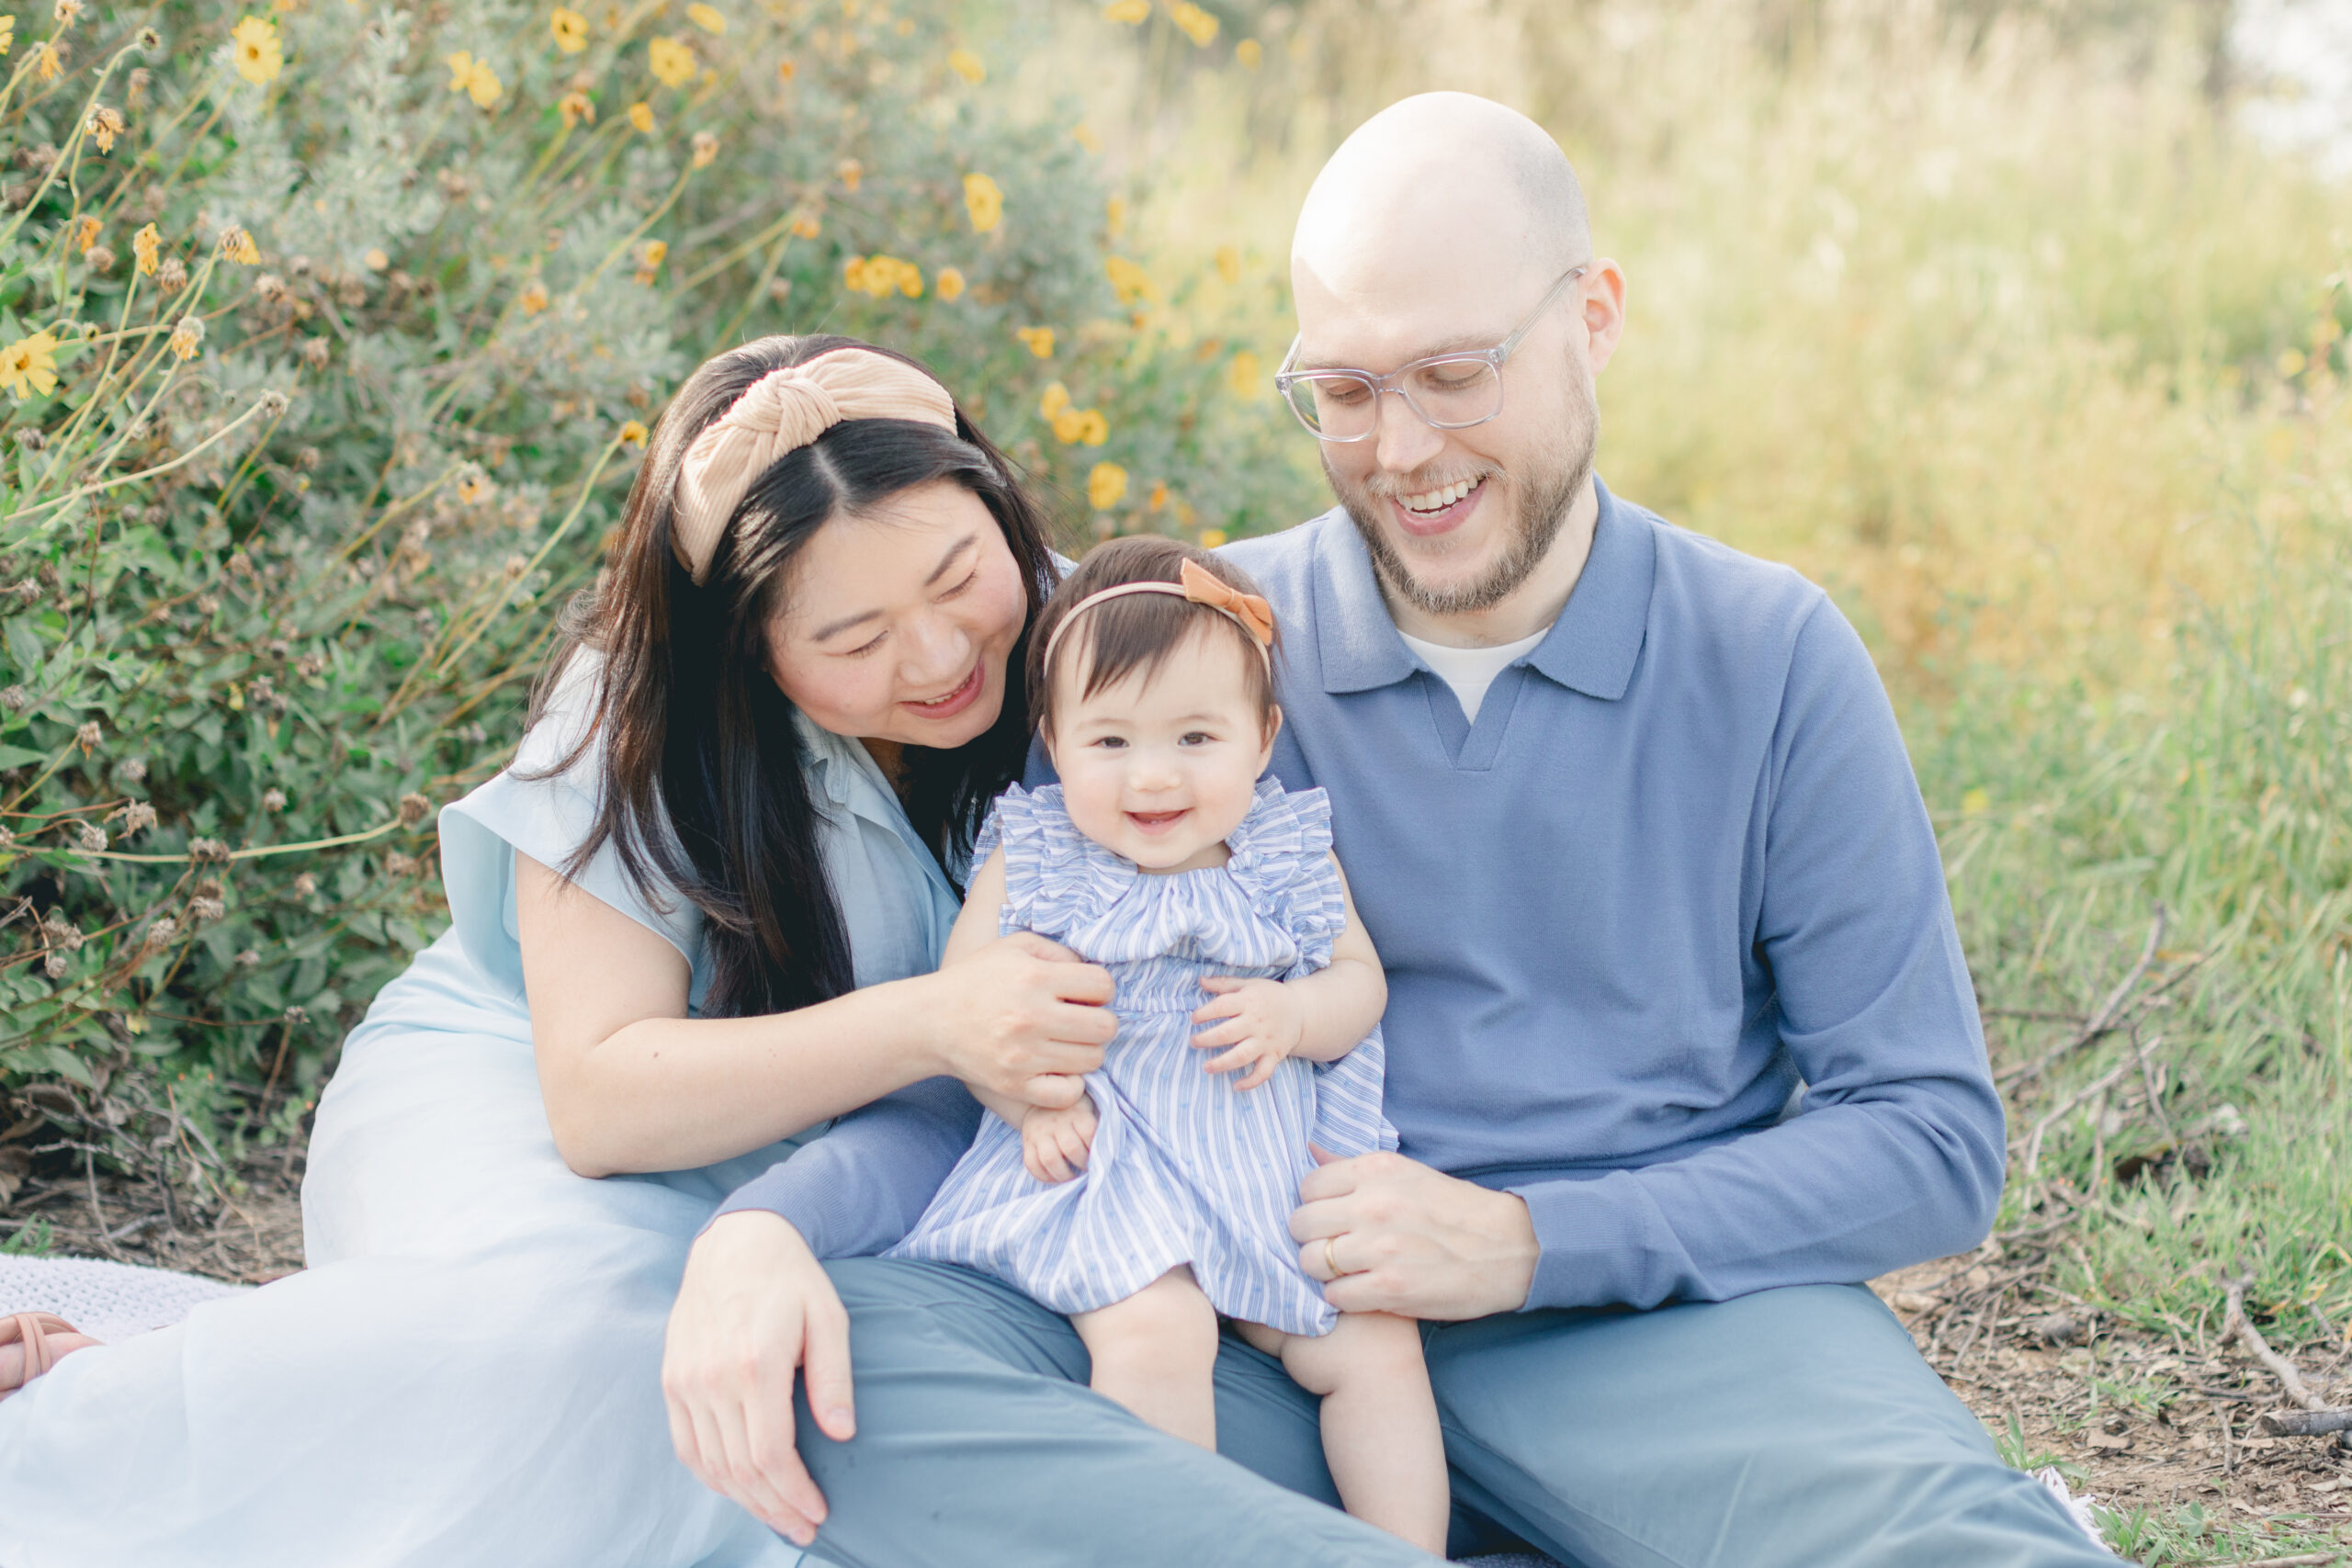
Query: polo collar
[1590, 648]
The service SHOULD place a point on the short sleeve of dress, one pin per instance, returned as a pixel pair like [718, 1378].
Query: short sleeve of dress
[546, 819]
[1056, 879]
[1281, 859]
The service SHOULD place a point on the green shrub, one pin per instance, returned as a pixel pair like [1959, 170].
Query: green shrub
[330, 332]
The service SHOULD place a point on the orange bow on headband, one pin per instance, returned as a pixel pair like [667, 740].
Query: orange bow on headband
[779, 413]
[1197, 585]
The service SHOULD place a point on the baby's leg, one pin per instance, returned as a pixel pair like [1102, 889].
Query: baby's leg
[1155, 1354]
[1380, 1431]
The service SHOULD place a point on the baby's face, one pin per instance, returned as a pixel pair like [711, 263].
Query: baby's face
[1159, 768]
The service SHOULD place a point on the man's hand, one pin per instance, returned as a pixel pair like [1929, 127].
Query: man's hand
[1386, 1234]
[1054, 1142]
[756, 1308]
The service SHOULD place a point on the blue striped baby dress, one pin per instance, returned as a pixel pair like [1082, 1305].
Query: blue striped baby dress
[1184, 1169]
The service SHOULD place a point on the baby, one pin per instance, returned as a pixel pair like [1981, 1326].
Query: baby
[1160, 1202]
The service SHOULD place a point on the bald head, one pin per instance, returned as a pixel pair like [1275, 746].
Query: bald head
[1433, 187]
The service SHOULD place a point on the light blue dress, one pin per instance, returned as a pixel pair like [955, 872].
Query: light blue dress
[468, 1373]
[1184, 1167]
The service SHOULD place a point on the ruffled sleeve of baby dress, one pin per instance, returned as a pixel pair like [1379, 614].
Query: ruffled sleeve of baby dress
[547, 817]
[1282, 862]
[1058, 882]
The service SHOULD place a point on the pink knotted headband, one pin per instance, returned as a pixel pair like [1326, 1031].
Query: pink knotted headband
[780, 412]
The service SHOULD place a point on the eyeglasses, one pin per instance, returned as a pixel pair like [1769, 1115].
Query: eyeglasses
[1449, 391]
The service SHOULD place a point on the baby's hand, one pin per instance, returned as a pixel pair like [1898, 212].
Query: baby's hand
[1263, 1022]
[1055, 1144]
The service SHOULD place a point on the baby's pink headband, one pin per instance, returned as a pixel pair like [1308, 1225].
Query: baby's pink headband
[779, 413]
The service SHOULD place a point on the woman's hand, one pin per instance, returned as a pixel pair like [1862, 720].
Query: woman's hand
[1055, 1144]
[1262, 1022]
[755, 1310]
[1023, 1018]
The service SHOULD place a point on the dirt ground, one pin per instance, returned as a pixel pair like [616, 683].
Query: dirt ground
[2138, 1424]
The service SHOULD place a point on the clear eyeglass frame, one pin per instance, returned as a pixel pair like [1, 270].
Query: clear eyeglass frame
[1292, 382]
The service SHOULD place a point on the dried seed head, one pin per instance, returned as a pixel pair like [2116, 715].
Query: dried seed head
[87, 736]
[273, 800]
[415, 808]
[164, 929]
[133, 769]
[314, 354]
[207, 852]
[31, 440]
[187, 338]
[15, 699]
[172, 277]
[54, 966]
[206, 908]
[100, 258]
[306, 886]
[397, 865]
[298, 1015]
[65, 11]
[270, 288]
[89, 838]
[8, 836]
[248, 959]
[137, 817]
[273, 403]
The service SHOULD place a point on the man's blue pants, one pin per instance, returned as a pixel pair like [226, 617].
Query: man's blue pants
[1795, 1427]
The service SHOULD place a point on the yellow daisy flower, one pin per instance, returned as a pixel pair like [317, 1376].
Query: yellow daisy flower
[535, 299]
[1106, 486]
[144, 247]
[258, 57]
[474, 78]
[187, 337]
[575, 108]
[1211, 538]
[705, 149]
[967, 65]
[641, 117]
[1115, 215]
[786, 70]
[1228, 264]
[984, 202]
[47, 64]
[1057, 399]
[1193, 23]
[29, 365]
[239, 247]
[633, 434]
[1038, 341]
[1242, 377]
[949, 283]
[707, 18]
[1131, 282]
[1068, 426]
[672, 63]
[1252, 55]
[1134, 13]
[570, 29]
[7, 34]
[808, 226]
[1094, 429]
[86, 234]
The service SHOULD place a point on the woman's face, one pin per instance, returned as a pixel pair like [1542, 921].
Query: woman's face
[901, 620]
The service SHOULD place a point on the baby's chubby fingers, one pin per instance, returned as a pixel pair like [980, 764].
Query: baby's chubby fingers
[1241, 1055]
[1232, 1032]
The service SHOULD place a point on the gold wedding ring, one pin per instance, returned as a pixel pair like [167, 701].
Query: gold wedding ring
[1331, 1258]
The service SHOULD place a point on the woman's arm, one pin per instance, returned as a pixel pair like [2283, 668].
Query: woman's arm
[1320, 1017]
[633, 1084]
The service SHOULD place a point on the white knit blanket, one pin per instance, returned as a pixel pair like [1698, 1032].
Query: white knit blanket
[105, 1301]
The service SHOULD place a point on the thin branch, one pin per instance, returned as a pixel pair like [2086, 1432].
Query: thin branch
[2103, 1020]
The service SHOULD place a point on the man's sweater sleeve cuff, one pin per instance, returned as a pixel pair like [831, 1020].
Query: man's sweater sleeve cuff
[1598, 1242]
[800, 1190]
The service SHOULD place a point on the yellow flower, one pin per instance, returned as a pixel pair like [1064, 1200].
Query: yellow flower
[187, 337]
[850, 171]
[1038, 341]
[570, 29]
[145, 245]
[672, 61]
[1106, 485]
[786, 70]
[1159, 495]
[908, 277]
[65, 12]
[707, 18]
[8, 33]
[950, 283]
[1194, 23]
[984, 202]
[1242, 377]
[1250, 52]
[1115, 215]
[535, 299]
[474, 78]
[103, 126]
[29, 365]
[641, 117]
[1130, 281]
[1212, 538]
[967, 65]
[1083, 134]
[1228, 264]
[1068, 426]
[807, 226]
[633, 434]
[1134, 13]
[575, 108]
[705, 149]
[1094, 429]
[258, 57]
[1055, 399]
[239, 247]
[46, 63]
[650, 257]
[854, 274]
[375, 260]
[86, 234]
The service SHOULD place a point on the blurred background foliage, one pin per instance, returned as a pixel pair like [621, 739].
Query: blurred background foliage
[1987, 313]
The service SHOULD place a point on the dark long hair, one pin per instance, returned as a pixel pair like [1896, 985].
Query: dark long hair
[702, 787]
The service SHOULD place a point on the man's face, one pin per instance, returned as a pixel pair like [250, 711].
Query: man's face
[1456, 519]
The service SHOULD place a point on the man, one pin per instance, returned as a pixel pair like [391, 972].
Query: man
[1628, 818]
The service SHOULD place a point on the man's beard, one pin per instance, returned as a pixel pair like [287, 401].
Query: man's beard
[1546, 490]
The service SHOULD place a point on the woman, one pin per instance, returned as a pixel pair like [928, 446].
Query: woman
[696, 918]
